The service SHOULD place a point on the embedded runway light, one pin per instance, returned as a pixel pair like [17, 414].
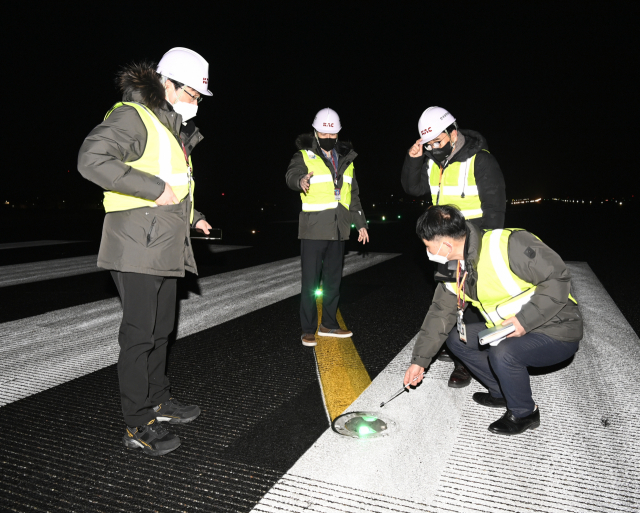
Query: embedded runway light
[398, 217]
[318, 292]
[362, 424]
[253, 231]
[353, 226]
[384, 218]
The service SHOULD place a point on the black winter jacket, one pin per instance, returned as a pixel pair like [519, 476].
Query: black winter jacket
[334, 223]
[489, 179]
[147, 240]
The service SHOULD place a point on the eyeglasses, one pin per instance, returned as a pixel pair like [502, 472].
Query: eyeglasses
[197, 99]
[436, 144]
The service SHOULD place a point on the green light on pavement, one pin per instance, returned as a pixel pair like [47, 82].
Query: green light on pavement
[353, 226]
[369, 419]
[365, 430]
[398, 217]
[384, 218]
[318, 292]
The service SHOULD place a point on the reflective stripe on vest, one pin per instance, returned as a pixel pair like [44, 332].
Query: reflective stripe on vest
[501, 293]
[321, 195]
[458, 178]
[163, 157]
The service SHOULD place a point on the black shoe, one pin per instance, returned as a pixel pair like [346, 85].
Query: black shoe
[460, 377]
[444, 356]
[173, 412]
[152, 438]
[486, 399]
[511, 425]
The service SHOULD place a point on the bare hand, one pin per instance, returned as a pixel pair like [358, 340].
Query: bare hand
[416, 149]
[413, 372]
[305, 182]
[167, 197]
[363, 235]
[519, 329]
[203, 226]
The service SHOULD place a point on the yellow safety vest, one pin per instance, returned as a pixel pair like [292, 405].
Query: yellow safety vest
[501, 293]
[163, 157]
[321, 194]
[458, 179]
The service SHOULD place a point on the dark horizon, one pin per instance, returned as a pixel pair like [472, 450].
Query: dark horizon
[530, 82]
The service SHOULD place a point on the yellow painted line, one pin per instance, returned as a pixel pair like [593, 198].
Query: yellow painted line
[342, 373]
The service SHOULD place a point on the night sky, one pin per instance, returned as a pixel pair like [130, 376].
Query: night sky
[552, 89]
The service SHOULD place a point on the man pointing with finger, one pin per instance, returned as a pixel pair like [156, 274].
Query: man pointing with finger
[322, 171]
[141, 156]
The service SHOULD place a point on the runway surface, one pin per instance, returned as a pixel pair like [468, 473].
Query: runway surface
[46, 350]
[263, 441]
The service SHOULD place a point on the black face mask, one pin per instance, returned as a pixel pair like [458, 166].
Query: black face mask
[441, 154]
[327, 144]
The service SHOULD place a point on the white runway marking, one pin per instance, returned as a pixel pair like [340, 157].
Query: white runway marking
[443, 458]
[50, 269]
[40, 352]
[36, 243]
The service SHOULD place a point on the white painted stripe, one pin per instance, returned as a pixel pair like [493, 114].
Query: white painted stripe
[500, 266]
[463, 468]
[36, 243]
[348, 179]
[46, 350]
[314, 207]
[19, 274]
[320, 179]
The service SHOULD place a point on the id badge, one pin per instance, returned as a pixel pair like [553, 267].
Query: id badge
[336, 194]
[462, 329]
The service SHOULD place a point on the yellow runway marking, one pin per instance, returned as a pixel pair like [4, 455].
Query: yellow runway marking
[342, 373]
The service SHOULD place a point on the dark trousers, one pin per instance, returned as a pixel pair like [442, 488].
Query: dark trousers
[320, 259]
[503, 368]
[149, 309]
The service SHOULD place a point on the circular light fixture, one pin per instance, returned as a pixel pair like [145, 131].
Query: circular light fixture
[363, 424]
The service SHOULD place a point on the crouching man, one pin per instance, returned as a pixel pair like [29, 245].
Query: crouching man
[513, 279]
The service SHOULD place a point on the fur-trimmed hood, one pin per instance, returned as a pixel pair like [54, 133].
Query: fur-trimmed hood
[139, 82]
[308, 142]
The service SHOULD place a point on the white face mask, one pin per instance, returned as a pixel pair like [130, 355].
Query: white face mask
[186, 110]
[439, 258]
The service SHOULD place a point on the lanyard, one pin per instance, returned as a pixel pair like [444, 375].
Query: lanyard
[186, 158]
[460, 285]
[335, 169]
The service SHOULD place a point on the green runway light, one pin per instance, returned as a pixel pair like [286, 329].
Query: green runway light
[369, 419]
[398, 217]
[365, 430]
[384, 218]
[353, 226]
[318, 292]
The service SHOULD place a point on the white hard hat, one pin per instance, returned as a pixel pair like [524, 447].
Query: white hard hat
[433, 122]
[327, 121]
[187, 67]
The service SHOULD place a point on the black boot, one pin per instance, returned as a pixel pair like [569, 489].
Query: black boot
[512, 425]
[460, 376]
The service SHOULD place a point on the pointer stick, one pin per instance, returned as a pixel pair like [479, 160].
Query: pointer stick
[401, 390]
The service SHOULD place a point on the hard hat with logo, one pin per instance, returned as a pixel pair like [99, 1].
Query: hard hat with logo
[433, 122]
[327, 121]
[187, 67]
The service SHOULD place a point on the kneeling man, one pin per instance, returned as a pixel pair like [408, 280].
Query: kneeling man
[512, 278]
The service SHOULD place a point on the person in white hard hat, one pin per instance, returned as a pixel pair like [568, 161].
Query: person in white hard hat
[141, 156]
[322, 172]
[456, 168]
